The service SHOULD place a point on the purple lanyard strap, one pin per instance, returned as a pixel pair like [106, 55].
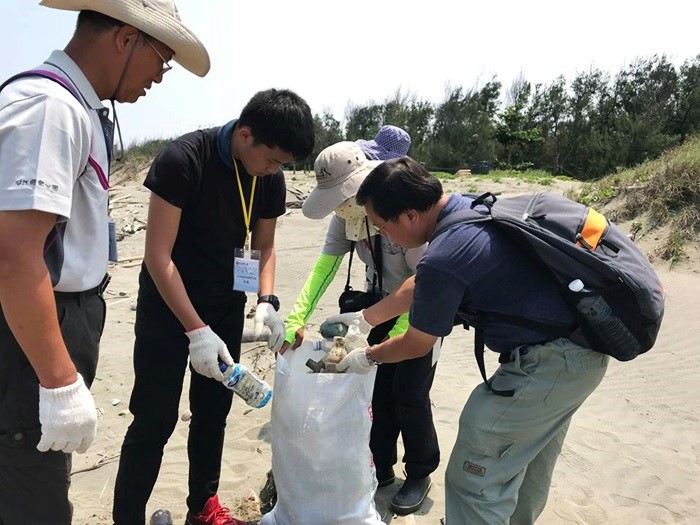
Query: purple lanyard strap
[104, 181]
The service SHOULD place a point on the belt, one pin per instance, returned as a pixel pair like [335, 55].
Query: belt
[507, 357]
[97, 290]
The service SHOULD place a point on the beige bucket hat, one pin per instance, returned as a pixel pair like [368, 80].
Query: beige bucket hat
[340, 169]
[156, 18]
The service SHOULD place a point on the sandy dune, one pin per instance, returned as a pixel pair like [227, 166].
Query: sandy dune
[632, 455]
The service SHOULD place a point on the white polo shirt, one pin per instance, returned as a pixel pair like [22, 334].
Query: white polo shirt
[46, 135]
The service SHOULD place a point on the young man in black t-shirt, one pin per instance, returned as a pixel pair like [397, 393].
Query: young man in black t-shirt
[210, 189]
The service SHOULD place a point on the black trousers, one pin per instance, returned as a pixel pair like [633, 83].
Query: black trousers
[401, 405]
[34, 485]
[160, 360]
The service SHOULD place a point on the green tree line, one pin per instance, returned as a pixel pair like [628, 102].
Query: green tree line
[585, 128]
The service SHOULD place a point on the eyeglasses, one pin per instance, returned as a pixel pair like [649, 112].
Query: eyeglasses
[380, 228]
[166, 63]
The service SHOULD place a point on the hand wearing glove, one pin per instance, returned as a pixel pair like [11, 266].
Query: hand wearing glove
[350, 318]
[206, 348]
[356, 362]
[266, 315]
[68, 418]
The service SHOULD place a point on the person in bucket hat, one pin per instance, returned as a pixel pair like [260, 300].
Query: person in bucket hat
[55, 154]
[401, 398]
[390, 142]
[339, 169]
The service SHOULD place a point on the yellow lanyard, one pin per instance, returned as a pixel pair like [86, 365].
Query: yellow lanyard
[247, 213]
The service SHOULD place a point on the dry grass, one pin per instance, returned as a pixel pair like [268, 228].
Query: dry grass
[663, 193]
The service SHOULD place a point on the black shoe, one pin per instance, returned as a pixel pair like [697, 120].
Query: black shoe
[161, 517]
[385, 477]
[410, 497]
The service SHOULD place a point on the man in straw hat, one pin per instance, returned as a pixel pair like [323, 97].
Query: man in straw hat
[55, 153]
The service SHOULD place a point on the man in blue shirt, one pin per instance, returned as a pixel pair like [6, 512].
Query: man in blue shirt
[501, 466]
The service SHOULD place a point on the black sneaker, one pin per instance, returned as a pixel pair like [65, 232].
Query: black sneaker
[410, 497]
[161, 517]
[385, 477]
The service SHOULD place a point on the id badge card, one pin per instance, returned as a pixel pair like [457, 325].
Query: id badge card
[246, 270]
[112, 229]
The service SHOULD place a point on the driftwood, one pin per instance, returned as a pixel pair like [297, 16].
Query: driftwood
[112, 200]
[136, 225]
[122, 202]
[131, 264]
[296, 192]
[250, 337]
[129, 259]
[104, 460]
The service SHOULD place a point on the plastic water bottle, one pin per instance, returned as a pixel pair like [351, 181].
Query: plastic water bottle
[617, 337]
[253, 390]
[324, 345]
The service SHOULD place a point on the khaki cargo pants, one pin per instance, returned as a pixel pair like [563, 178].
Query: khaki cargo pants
[501, 466]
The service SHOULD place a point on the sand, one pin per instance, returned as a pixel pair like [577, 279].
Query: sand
[632, 455]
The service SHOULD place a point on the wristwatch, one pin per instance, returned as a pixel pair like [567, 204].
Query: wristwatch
[272, 299]
[371, 360]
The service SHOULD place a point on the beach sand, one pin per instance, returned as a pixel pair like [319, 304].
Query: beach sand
[632, 455]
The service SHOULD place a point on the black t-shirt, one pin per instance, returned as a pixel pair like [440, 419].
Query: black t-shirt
[189, 173]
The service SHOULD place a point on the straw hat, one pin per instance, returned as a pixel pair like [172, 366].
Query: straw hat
[156, 18]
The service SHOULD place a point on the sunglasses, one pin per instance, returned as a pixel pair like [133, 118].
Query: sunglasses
[166, 63]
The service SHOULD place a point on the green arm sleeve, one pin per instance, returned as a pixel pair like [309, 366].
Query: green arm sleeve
[400, 326]
[316, 284]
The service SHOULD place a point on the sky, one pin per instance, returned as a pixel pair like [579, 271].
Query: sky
[334, 53]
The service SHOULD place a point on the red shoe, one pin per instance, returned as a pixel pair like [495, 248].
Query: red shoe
[213, 513]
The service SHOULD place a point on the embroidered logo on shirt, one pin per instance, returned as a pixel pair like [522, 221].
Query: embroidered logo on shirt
[473, 468]
[36, 182]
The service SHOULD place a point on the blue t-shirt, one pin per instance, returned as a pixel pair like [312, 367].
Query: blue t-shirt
[476, 266]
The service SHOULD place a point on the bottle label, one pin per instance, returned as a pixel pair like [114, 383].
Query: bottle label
[252, 390]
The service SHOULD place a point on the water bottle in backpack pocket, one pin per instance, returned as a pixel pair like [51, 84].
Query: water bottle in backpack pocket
[621, 307]
[598, 315]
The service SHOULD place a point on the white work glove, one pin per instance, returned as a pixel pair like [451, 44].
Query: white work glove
[266, 315]
[206, 348]
[355, 362]
[352, 318]
[68, 418]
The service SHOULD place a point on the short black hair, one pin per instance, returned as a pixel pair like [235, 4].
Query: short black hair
[280, 118]
[96, 22]
[398, 185]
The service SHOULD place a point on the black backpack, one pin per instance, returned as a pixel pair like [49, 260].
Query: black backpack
[607, 282]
